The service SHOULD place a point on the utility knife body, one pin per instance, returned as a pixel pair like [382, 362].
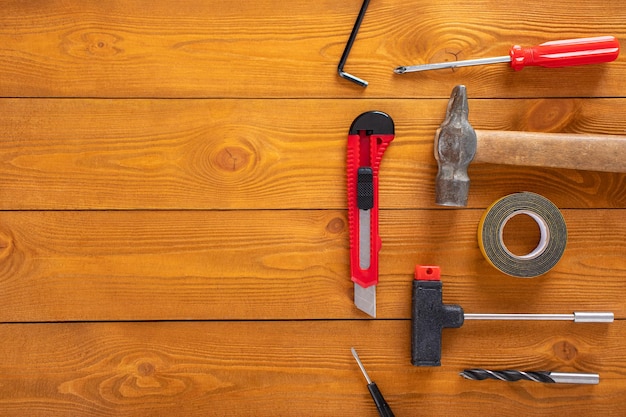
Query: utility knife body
[369, 136]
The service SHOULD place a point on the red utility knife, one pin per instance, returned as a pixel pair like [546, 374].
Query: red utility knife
[369, 136]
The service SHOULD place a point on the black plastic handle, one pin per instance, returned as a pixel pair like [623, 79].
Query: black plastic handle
[430, 316]
[383, 408]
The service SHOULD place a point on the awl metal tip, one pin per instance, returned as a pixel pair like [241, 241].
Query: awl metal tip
[358, 361]
[400, 70]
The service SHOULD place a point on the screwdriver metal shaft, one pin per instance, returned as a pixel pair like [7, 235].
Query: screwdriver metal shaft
[453, 64]
[540, 376]
[383, 408]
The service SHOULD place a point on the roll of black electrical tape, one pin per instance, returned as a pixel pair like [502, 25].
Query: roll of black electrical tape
[552, 241]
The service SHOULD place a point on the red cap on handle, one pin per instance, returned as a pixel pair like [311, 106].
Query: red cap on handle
[566, 53]
[427, 273]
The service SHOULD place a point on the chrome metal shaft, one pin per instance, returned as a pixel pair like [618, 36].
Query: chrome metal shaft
[452, 64]
[358, 361]
[577, 317]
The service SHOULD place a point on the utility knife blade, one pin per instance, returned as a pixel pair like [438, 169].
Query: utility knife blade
[369, 136]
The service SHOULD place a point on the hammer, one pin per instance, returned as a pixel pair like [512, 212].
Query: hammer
[457, 144]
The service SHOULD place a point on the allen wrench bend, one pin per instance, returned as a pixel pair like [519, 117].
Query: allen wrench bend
[346, 51]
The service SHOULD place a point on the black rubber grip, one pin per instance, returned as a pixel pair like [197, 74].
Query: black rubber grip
[381, 405]
[430, 317]
[365, 188]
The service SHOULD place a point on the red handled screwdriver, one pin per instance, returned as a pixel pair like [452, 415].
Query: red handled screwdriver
[553, 54]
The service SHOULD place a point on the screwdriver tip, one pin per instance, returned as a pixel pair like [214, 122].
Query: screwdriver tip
[358, 361]
[400, 70]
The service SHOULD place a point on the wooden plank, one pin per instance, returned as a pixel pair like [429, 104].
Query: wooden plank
[272, 48]
[173, 233]
[232, 154]
[300, 368]
[267, 264]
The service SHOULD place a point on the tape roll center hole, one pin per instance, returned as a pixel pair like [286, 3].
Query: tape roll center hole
[524, 235]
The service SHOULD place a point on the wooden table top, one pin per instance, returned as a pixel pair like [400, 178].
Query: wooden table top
[173, 217]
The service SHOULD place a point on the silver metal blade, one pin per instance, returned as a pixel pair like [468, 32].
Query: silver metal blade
[453, 64]
[365, 299]
[364, 238]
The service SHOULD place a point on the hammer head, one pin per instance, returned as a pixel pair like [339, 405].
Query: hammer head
[455, 147]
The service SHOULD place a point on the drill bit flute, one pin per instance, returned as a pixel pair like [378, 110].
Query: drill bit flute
[540, 376]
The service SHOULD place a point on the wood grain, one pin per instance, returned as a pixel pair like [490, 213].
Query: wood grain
[299, 368]
[145, 265]
[274, 154]
[189, 48]
[173, 232]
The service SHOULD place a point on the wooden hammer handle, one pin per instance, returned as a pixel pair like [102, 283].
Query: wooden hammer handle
[555, 150]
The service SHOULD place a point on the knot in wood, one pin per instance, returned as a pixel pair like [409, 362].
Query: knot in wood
[336, 225]
[564, 350]
[146, 369]
[102, 44]
[232, 158]
[87, 44]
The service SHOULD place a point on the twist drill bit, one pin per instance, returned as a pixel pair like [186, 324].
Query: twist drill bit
[539, 376]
